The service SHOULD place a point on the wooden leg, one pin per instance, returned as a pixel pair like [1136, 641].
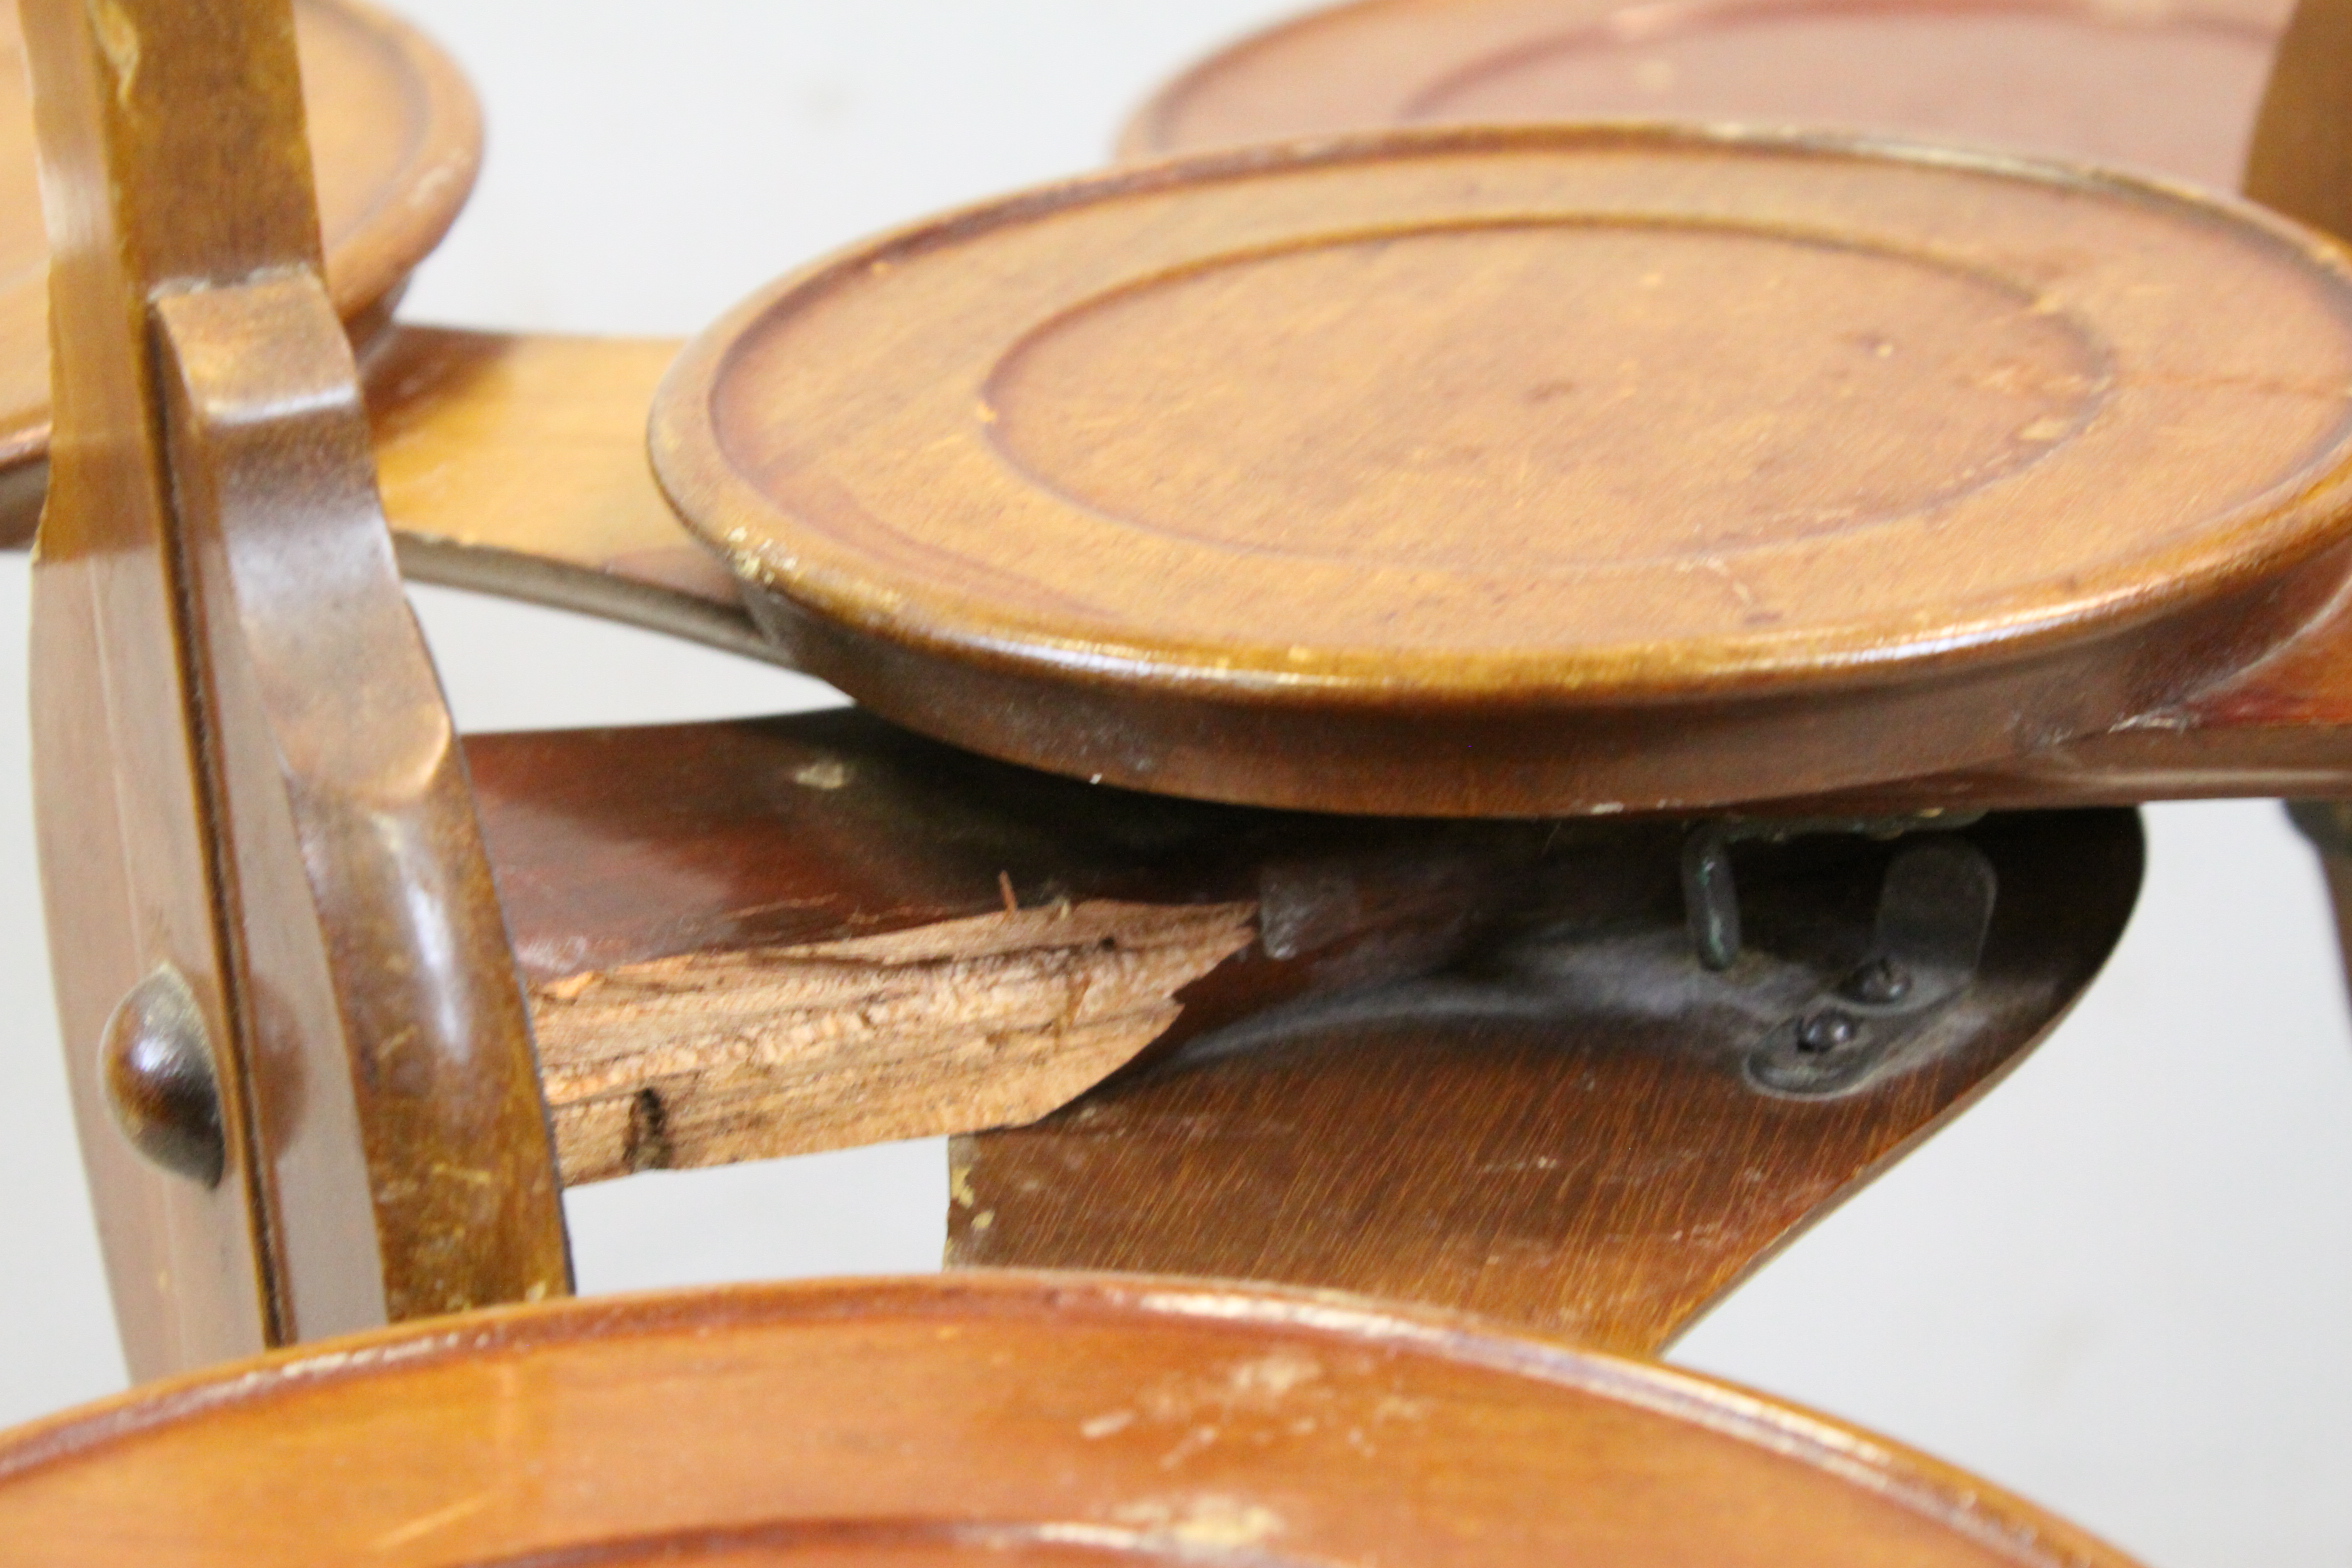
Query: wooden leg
[1573, 1134]
[2327, 824]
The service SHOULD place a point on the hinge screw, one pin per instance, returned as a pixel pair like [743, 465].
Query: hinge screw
[1820, 1033]
[1879, 982]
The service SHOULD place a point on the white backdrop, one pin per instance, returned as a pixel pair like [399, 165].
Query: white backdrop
[2119, 1286]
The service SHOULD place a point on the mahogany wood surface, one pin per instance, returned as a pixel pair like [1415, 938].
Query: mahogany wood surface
[1633, 1176]
[1508, 472]
[510, 463]
[397, 139]
[247, 782]
[1013, 1419]
[2168, 86]
[1566, 1134]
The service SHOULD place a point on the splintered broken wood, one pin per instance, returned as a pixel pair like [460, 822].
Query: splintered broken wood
[1564, 1137]
[771, 937]
[714, 1058]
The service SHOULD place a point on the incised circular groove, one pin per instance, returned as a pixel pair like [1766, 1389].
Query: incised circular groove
[835, 437]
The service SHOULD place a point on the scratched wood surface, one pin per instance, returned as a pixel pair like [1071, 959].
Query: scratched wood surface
[1526, 500]
[397, 137]
[1031, 1419]
[1563, 1137]
[2169, 86]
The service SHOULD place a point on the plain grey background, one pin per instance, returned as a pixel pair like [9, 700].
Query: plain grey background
[2118, 1287]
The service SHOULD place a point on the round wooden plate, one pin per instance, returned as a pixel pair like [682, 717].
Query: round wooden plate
[2170, 85]
[1500, 472]
[1009, 1419]
[396, 138]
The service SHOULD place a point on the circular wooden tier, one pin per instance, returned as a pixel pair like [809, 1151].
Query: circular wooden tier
[1002, 1418]
[1513, 472]
[2171, 85]
[396, 137]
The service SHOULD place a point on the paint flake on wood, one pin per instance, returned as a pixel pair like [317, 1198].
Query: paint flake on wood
[714, 1058]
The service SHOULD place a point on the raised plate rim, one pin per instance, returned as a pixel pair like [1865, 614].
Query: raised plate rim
[2265, 539]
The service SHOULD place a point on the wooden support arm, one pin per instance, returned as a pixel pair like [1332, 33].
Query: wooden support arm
[1476, 1064]
[771, 937]
[1583, 1133]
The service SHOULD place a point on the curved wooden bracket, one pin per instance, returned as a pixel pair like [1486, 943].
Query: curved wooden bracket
[364, 926]
[1573, 1135]
[244, 768]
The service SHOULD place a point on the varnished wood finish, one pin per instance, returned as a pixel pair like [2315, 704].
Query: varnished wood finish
[1494, 472]
[510, 464]
[2168, 86]
[397, 138]
[513, 465]
[244, 767]
[1030, 1419]
[768, 937]
[1564, 1136]
[516, 465]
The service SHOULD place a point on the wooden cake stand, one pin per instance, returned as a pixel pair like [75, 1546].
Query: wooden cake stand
[1298, 476]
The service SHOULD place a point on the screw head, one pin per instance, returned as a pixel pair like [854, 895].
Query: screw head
[1822, 1032]
[1879, 982]
[155, 1063]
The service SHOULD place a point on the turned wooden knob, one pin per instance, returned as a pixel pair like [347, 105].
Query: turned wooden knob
[156, 1064]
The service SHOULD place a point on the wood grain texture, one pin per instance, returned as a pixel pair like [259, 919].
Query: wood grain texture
[516, 465]
[713, 1058]
[615, 847]
[397, 138]
[1564, 1136]
[247, 773]
[510, 464]
[1037, 1419]
[2169, 86]
[1578, 486]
